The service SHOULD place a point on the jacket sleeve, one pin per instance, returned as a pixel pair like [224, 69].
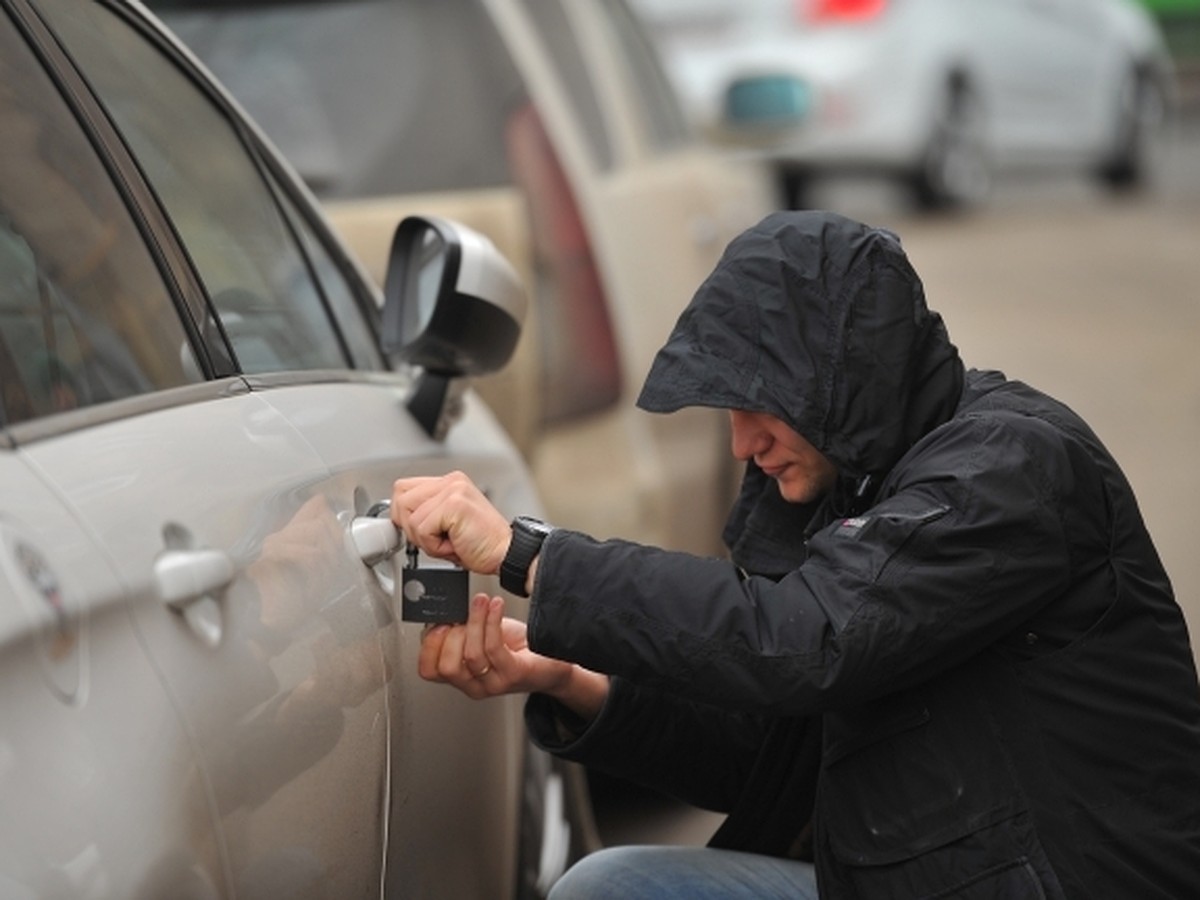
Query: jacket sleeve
[966, 543]
[689, 751]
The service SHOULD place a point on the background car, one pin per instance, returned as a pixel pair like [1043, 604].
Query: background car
[551, 128]
[206, 685]
[938, 94]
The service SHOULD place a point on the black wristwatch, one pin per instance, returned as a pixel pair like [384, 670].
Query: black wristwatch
[528, 534]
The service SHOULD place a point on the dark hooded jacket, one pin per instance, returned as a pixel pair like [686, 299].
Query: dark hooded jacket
[963, 674]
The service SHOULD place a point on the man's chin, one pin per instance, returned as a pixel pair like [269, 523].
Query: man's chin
[799, 492]
[792, 493]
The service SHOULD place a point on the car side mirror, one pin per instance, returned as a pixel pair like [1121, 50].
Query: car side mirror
[452, 305]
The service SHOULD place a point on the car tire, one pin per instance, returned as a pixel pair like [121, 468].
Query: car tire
[954, 171]
[1138, 133]
[557, 823]
[795, 187]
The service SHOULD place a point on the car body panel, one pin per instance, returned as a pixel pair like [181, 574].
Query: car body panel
[438, 737]
[103, 776]
[261, 720]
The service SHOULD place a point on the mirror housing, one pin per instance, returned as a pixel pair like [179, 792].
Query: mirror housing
[452, 305]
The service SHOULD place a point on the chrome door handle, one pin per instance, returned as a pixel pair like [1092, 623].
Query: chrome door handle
[375, 536]
[185, 576]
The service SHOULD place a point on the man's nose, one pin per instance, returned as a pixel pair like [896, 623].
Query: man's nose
[746, 438]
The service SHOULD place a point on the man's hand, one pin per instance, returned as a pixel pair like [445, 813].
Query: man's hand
[449, 518]
[490, 656]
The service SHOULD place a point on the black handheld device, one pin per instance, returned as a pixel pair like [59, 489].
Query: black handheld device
[432, 594]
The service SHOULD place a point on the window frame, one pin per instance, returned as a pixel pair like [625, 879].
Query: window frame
[168, 252]
[277, 176]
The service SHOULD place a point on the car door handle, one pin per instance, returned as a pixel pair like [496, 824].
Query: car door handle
[185, 576]
[375, 536]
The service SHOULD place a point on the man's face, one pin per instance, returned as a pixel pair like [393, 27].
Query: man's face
[802, 472]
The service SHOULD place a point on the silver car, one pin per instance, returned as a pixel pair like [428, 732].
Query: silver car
[941, 95]
[207, 680]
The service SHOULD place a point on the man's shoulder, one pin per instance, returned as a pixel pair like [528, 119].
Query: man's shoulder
[990, 395]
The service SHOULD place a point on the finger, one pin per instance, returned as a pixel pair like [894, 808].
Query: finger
[501, 674]
[429, 663]
[475, 655]
[498, 645]
[450, 665]
[428, 524]
[409, 494]
[494, 644]
[431, 651]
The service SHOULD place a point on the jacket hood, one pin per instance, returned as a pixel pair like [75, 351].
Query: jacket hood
[820, 321]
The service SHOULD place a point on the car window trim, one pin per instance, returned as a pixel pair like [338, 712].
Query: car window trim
[33, 430]
[212, 346]
[276, 175]
[400, 380]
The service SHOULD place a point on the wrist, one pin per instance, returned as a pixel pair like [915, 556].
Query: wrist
[580, 690]
[517, 569]
[531, 578]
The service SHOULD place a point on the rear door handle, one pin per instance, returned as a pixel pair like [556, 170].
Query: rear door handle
[185, 576]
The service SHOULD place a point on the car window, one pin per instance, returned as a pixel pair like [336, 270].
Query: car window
[552, 21]
[358, 94]
[662, 117]
[85, 316]
[247, 246]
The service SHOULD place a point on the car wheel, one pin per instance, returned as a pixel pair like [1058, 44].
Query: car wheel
[795, 186]
[955, 171]
[1137, 134]
[557, 823]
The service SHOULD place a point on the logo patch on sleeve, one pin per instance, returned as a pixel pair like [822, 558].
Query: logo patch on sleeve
[851, 527]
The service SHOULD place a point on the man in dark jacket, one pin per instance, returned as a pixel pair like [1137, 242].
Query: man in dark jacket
[946, 660]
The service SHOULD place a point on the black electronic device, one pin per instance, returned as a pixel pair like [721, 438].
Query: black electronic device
[433, 594]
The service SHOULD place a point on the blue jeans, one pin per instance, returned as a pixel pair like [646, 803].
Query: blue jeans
[684, 873]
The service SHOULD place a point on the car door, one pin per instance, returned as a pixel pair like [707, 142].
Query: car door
[1063, 35]
[102, 793]
[1035, 56]
[218, 514]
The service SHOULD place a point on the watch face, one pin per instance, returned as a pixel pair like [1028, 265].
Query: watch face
[537, 526]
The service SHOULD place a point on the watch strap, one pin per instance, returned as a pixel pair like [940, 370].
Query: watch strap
[528, 535]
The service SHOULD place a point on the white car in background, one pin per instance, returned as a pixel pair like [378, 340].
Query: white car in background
[939, 94]
[550, 127]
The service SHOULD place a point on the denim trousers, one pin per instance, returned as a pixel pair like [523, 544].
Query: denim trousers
[684, 873]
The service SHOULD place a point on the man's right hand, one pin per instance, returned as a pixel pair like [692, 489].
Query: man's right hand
[449, 518]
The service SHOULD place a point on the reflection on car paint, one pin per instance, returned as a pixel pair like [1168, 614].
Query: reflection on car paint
[57, 625]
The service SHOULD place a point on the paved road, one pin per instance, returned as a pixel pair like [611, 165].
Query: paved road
[1092, 300]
